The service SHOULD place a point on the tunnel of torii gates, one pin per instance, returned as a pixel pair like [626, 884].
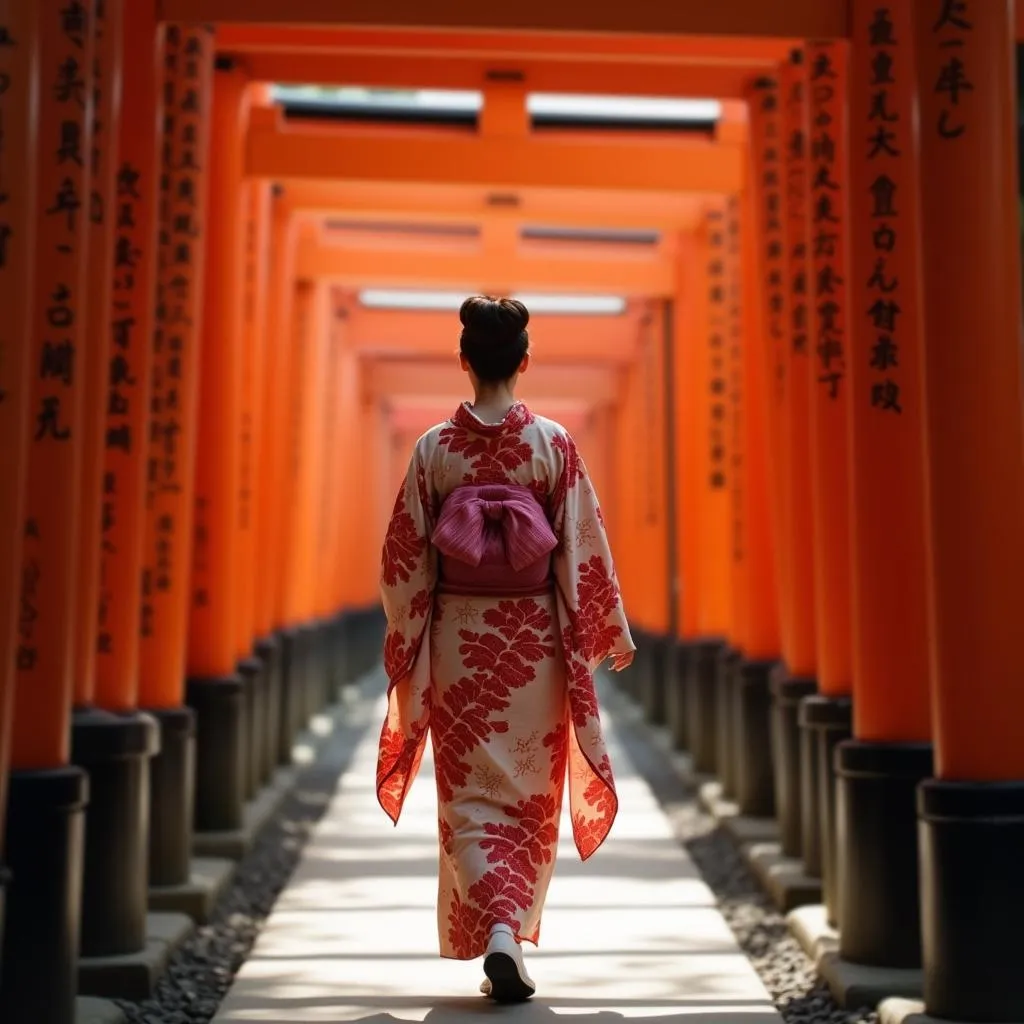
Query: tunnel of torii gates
[804, 419]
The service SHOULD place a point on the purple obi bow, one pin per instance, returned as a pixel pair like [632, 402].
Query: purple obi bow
[493, 523]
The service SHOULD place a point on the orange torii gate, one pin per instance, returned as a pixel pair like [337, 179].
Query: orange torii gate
[772, 318]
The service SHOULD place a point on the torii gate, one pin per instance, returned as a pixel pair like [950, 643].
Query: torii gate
[851, 257]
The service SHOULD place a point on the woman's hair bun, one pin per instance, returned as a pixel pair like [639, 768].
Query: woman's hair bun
[494, 336]
[501, 319]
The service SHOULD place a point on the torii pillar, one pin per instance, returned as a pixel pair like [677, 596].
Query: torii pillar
[971, 814]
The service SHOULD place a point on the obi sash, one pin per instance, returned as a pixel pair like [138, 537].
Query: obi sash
[494, 540]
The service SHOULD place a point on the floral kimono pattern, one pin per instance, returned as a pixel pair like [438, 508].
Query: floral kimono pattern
[504, 686]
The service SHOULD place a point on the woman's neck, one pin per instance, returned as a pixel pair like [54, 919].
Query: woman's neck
[492, 404]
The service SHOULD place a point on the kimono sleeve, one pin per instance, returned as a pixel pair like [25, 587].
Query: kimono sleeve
[408, 571]
[593, 627]
[407, 579]
[584, 568]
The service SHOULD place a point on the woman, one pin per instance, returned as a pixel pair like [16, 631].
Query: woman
[497, 557]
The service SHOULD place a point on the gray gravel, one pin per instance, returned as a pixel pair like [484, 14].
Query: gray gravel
[761, 931]
[204, 968]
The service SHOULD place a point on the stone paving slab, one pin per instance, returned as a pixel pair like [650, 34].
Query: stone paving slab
[97, 1011]
[633, 933]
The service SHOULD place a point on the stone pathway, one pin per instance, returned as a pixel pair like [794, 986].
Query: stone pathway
[634, 933]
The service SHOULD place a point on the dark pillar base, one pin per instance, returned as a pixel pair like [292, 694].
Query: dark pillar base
[5, 881]
[876, 835]
[172, 779]
[45, 843]
[810, 790]
[291, 673]
[268, 651]
[752, 747]
[787, 693]
[828, 721]
[115, 750]
[248, 671]
[681, 654]
[221, 752]
[725, 718]
[972, 898]
[657, 681]
[316, 676]
[702, 704]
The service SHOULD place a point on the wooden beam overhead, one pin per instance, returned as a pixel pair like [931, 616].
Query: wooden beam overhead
[370, 202]
[400, 70]
[501, 46]
[434, 335]
[301, 152]
[793, 19]
[483, 271]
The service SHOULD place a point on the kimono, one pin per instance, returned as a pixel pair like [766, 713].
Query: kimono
[503, 683]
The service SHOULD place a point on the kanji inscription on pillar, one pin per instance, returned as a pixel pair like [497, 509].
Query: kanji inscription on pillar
[718, 332]
[768, 168]
[827, 98]
[884, 139]
[953, 85]
[796, 205]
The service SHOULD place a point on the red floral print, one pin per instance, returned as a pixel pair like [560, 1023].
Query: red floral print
[504, 686]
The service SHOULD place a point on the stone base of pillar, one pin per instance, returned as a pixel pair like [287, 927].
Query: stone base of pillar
[702, 704]
[827, 721]
[322, 661]
[754, 780]
[5, 881]
[172, 779]
[250, 670]
[876, 835]
[45, 844]
[655, 695]
[115, 750]
[221, 752]
[972, 898]
[726, 667]
[336, 662]
[311, 675]
[681, 654]
[290, 671]
[268, 653]
[810, 789]
[787, 692]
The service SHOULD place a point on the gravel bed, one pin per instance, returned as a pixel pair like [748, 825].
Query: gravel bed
[203, 969]
[760, 929]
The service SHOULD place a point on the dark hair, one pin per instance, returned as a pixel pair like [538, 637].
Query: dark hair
[494, 336]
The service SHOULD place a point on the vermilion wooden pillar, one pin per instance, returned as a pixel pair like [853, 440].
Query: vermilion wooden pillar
[795, 777]
[110, 740]
[880, 769]
[106, 119]
[19, 101]
[688, 318]
[47, 795]
[972, 814]
[251, 487]
[275, 452]
[753, 536]
[727, 364]
[295, 524]
[217, 694]
[653, 663]
[709, 392]
[826, 717]
[187, 72]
